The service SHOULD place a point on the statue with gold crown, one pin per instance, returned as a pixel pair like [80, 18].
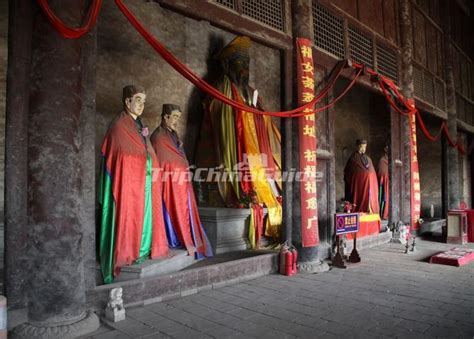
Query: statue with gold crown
[245, 146]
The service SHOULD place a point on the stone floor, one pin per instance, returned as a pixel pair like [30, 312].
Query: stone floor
[389, 294]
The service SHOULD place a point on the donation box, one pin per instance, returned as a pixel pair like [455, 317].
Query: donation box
[456, 227]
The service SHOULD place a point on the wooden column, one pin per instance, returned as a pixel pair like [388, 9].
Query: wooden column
[451, 165]
[308, 258]
[54, 283]
[16, 157]
[287, 144]
[406, 41]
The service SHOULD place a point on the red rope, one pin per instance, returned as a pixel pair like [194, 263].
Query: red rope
[75, 33]
[332, 103]
[198, 82]
[65, 31]
[389, 99]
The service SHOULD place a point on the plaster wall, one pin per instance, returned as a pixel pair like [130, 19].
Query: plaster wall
[430, 167]
[124, 58]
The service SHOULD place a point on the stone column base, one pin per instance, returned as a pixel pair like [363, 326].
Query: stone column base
[313, 267]
[88, 324]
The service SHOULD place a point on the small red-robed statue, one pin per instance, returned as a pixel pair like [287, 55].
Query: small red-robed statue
[183, 225]
[361, 185]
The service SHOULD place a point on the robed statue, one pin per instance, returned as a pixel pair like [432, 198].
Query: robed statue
[132, 227]
[183, 225]
[360, 179]
[246, 146]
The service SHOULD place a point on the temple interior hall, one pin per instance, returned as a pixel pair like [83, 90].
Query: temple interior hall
[124, 125]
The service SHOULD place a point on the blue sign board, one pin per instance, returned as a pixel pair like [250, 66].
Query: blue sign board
[346, 223]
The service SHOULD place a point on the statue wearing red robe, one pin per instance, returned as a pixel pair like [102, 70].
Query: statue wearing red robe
[132, 227]
[361, 185]
[182, 222]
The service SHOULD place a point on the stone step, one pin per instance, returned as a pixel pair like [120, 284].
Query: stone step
[432, 226]
[144, 291]
[176, 261]
[370, 241]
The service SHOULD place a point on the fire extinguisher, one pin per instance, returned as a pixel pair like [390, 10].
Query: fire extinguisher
[288, 257]
[294, 270]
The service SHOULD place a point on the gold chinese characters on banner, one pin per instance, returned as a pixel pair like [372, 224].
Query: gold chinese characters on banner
[307, 143]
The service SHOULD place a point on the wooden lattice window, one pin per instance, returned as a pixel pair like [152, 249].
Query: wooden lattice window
[360, 47]
[328, 31]
[226, 3]
[387, 62]
[439, 95]
[418, 82]
[429, 87]
[269, 12]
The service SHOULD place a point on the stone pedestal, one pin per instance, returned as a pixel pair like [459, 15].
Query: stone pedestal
[226, 228]
[176, 261]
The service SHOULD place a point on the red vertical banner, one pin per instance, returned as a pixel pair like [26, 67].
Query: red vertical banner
[415, 173]
[307, 143]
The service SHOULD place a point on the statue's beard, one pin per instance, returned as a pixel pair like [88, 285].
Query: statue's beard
[241, 78]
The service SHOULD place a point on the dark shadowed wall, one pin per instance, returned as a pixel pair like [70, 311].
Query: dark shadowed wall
[430, 163]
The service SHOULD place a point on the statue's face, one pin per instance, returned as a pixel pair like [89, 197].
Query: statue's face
[172, 120]
[136, 104]
[361, 148]
[240, 67]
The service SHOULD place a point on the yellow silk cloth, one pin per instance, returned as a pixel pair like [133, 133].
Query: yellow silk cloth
[259, 178]
[274, 137]
[224, 118]
[369, 217]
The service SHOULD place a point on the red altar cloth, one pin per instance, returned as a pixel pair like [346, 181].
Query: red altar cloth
[368, 224]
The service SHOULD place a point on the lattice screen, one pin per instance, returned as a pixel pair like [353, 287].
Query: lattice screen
[269, 12]
[360, 47]
[418, 82]
[387, 62]
[439, 95]
[328, 31]
[429, 88]
[469, 112]
[460, 108]
[226, 3]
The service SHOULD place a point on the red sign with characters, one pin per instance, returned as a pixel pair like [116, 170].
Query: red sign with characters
[415, 173]
[307, 143]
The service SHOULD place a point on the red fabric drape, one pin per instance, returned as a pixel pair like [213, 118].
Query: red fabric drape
[65, 31]
[74, 33]
[126, 157]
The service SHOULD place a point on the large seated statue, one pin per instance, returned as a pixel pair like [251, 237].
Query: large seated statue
[246, 146]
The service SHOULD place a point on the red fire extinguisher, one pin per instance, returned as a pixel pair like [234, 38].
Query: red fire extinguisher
[288, 257]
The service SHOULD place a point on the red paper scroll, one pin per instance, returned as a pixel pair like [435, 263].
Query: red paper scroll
[307, 143]
[415, 173]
